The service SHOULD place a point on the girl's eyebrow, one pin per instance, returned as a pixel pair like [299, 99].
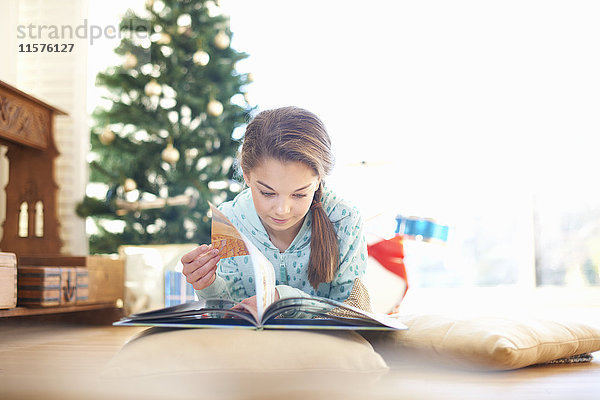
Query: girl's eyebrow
[304, 187]
[270, 188]
[265, 185]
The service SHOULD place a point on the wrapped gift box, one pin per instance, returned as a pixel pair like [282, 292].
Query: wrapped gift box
[177, 289]
[69, 280]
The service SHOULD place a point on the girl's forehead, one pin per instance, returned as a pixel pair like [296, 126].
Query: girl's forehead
[282, 173]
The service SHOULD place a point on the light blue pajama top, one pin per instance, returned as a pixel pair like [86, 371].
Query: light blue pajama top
[235, 274]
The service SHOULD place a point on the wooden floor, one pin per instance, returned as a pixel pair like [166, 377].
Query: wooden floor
[60, 360]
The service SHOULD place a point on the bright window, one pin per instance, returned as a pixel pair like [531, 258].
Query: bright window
[480, 115]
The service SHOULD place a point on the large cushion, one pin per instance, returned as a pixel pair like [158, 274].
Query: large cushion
[159, 352]
[496, 343]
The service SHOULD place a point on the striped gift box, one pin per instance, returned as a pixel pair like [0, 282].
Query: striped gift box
[424, 229]
[177, 289]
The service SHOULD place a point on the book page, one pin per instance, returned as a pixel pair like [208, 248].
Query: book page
[233, 243]
[265, 280]
[324, 308]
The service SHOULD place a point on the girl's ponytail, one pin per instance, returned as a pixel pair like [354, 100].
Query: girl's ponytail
[324, 250]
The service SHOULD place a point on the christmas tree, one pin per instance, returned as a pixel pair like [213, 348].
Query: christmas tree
[164, 146]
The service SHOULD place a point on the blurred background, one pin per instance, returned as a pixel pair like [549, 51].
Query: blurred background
[479, 115]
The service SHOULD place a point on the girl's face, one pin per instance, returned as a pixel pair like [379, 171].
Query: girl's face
[282, 193]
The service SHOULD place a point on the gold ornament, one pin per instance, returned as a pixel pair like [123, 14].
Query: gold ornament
[201, 58]
[221, 40]
[214, 108]
[184, 30]
[164, 38]
[130, 60]
[170, 154]
[106, 136]
[152, 88]
[129, 185]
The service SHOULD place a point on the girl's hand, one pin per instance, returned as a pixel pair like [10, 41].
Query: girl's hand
[249, 306]
[200, 266]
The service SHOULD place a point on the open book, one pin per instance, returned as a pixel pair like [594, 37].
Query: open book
[289, 313]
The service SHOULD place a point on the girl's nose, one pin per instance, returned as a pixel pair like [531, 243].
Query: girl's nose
[283, 206]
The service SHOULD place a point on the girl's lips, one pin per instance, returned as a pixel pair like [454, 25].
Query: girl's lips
[279, 221]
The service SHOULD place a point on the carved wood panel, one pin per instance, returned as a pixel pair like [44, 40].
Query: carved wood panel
[22, 123]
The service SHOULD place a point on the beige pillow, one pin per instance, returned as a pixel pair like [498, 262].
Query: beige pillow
[493, 342]
[158, 352]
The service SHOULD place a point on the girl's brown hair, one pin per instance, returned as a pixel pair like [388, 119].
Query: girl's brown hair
[294, 134]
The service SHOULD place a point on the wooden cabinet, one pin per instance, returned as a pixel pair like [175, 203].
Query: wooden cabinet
[27, 129]
[47, 281]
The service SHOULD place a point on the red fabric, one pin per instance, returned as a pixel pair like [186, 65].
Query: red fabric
[390, 254]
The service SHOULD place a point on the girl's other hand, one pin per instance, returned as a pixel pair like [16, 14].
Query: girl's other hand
[248, 305]
[200, 266]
